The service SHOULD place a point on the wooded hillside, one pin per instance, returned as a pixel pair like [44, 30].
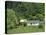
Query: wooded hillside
[23, 10]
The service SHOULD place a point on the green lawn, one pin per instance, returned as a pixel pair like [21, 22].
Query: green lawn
[26, 29]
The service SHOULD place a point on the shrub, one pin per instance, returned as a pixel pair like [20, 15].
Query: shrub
[25, 24]
[40, 26]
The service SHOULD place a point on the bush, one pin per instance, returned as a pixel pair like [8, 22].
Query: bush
[40, 26]
[25, 24]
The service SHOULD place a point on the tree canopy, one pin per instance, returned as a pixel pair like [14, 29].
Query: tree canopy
[27, 10]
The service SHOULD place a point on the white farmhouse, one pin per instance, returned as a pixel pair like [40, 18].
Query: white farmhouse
[30, 22]
[33, 22]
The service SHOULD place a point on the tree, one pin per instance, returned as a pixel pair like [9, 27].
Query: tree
[11, 19]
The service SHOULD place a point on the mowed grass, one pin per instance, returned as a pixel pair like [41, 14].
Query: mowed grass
[26, 29]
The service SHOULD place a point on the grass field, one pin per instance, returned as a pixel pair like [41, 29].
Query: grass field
[26, 29]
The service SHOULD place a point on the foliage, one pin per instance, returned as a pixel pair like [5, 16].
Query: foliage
[23, 10]
[10, 18]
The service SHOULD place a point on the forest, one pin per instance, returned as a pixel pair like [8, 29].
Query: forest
[23, 10]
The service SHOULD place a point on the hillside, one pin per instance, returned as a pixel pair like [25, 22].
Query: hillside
[24, 10]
